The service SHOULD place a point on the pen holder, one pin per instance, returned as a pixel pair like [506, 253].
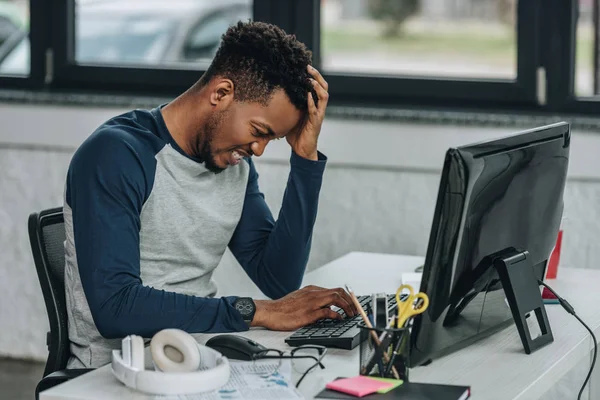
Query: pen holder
[384, 352]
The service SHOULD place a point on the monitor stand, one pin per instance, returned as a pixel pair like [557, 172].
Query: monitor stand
[522, 291]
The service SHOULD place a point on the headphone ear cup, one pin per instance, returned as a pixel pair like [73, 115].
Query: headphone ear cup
[174, 350]
[137, 352]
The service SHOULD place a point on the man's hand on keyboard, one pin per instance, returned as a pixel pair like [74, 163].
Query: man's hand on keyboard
[302, 307]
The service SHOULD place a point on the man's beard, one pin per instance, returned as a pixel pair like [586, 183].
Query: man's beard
[204, 150]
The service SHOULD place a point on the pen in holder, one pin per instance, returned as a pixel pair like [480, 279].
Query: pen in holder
[384, 352]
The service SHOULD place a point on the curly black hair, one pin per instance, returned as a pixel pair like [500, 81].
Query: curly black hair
[258, 58]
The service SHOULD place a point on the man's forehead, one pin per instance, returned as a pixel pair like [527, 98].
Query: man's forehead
[278, 117]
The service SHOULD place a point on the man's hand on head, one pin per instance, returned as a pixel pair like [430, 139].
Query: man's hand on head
[302, 307]
[304, 141]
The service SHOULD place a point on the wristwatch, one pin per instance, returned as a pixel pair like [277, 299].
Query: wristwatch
[246, 307]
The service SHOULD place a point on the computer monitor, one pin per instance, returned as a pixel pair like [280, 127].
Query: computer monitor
[493, 196]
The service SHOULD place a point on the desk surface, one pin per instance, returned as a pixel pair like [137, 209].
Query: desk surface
[495, 367]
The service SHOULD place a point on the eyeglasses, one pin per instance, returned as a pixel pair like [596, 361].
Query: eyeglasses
[304, 358]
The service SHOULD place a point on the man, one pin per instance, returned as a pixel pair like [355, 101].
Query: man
[154, 198]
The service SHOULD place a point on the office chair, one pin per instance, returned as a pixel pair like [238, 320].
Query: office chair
[47, 236]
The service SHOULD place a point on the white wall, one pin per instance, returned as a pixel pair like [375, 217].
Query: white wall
[378, 195]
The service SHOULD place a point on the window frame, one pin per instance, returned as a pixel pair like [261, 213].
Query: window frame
[546, 40]
[560, 24]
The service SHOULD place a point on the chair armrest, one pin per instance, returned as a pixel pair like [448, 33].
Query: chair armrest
[58, 377]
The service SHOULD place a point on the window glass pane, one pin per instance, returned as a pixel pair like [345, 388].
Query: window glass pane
[14, 43]
[584, 61]
[446, 38]
[153, 32]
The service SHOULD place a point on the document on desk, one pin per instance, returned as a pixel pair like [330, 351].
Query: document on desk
[261, 380]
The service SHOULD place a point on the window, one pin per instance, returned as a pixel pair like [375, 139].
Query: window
[16, 60]
[203, 40]
[431, 53]
[141, 47]
[14, 44]
[152, 32]
[461, 38]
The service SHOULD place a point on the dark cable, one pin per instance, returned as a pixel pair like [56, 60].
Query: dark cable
[569, 308]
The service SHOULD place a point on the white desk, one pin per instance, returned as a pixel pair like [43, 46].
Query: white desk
[495, 367]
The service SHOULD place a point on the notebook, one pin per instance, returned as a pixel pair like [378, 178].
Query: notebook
[408, 391]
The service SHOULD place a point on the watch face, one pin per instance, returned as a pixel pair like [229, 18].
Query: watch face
[245, 307]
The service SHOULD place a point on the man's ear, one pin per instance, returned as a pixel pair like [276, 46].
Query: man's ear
[222, 93]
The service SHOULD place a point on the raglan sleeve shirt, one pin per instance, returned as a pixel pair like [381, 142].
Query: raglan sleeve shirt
[110, 178]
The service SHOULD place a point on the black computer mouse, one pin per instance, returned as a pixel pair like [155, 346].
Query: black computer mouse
[235, 347]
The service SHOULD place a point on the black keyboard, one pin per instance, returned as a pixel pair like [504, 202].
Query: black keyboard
[342, 334]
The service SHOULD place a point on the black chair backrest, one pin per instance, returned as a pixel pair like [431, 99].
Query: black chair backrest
[47, 237]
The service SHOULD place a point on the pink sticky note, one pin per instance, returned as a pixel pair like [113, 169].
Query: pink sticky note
[358, 386]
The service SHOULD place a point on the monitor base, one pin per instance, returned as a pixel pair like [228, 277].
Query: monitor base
[523, 294]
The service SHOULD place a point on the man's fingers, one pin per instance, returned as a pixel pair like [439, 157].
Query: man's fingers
[332, 298]
[324, 313]
[327, 297]
[346, 304]
[318, 77]
[313, 315]
[321, 94]
[347, 297]
[312, 108]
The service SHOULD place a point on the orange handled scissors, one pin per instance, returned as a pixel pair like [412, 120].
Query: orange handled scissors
[406, 306]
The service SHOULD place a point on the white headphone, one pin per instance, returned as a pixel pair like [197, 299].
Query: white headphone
[181, 365]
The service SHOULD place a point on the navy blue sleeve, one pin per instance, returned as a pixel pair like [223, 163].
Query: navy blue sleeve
[110, 177]
[275, 254]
